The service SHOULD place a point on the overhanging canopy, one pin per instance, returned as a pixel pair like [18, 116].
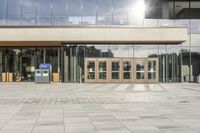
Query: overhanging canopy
[55, 36]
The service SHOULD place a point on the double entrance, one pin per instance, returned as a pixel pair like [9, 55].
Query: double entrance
[121, 70]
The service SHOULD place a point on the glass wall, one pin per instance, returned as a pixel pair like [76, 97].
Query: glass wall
[14, 12]
[19, 64]
[120, 12]
[89, 12]
[170, 57]
[59, 12]
[104, 11]
[74, 11]
[3, 8]
[117, 12]
[29, 12]
[44, 13]
[175, 64]
[195, 63]
[72, 63]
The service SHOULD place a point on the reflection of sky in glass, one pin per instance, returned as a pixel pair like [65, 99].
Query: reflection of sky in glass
[122, 50]
[145, 50]
[88, 10]
[195, 49]
[137, 51]
[117, 12]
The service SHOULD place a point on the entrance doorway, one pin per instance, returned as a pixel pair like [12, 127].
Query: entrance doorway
[121, 70]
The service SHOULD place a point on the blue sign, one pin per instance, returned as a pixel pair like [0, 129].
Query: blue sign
[45, 66]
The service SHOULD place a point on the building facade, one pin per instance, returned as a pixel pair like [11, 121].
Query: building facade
[111, 41]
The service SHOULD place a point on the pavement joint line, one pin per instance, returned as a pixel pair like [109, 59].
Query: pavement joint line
[186, 88]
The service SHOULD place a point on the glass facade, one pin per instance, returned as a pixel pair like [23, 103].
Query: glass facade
[176, 62]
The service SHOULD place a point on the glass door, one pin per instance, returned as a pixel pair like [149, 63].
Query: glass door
[115, 70]
[127, 75]
[152, 70]
[90, 70]
[140, 74]
[102, 70]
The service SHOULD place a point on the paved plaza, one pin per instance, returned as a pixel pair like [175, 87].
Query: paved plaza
[99, 108]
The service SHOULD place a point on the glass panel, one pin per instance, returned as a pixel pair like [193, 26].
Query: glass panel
[152, 75]
[162, 62]
[157, 9]
[1, 64]
[104, 11]
[59, 12]
[173, 63]
[14, 12]
[153, 9]
[195, 9]
[115, 70]
[151, 69]
[71, 64]
[55, 65]
[127, 70]
[136, 12]
[29, 12]
[182, 10]
[120, 12]
[91, 70]
[44, 12]
[139, 75]
[11, 63]
[28, 64]
[89, 12]
[195, 62]
[98, 51]
[140, 69]
[146, 51]
[2, 11]
[102, 69]
[74, 11]
[195, 27]
[121, 50]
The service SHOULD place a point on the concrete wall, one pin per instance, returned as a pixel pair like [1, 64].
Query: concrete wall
[56, 35]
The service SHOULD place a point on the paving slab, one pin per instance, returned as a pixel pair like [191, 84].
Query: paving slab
[99, 108]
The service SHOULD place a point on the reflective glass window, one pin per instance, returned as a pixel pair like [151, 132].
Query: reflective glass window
[136, 12]
[74, 11]
[29, 12]
[127, 69]
[115, 65]
[102, 70]
[104, 11]
[44, 12]
[14, 12]
[140, 64]
[195, 10]
[182, 9]
[195, 63]
[122, 50]
[185, 64]
[2, 11]
[195, 15]
[59, 11]
[98, 51]
[91, 70]
[146, 51]
[89, 12]
[153, 9]
[1, 63]
[120, 11]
